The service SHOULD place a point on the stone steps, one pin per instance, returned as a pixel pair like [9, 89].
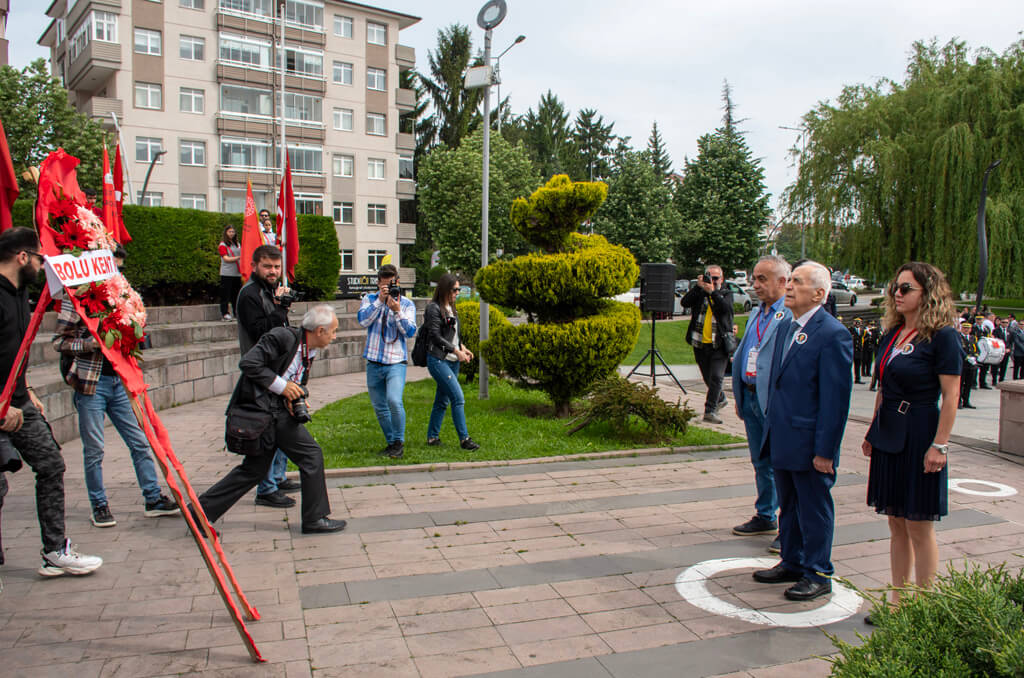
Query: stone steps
[194, 356]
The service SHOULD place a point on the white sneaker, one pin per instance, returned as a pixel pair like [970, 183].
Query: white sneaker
[227, 317]
[67, 560]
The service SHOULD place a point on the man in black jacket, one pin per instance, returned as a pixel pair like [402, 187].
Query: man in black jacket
[274, 373]
[259, 309]
[711, 316]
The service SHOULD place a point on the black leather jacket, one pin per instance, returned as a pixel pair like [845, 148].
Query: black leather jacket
[440, 330]
[257, 313]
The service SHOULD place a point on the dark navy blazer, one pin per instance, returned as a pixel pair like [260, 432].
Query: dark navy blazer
[809, 399]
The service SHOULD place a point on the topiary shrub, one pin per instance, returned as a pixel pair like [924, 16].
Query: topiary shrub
[969, 624]
[628, 405]
[469, 332]
[436, 273]
[574, 336]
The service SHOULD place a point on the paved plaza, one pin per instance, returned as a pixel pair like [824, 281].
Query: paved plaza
[524, 570]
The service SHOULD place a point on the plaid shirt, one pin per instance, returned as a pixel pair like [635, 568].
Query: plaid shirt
[73, 339]
[386, 331]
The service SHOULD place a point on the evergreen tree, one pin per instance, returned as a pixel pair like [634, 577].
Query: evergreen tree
[722, 202]
[660, 160]
[548, 140]
[593, 140]
[454, 108]
[638, 213]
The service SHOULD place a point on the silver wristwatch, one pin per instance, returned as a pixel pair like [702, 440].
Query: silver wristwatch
[943, 449]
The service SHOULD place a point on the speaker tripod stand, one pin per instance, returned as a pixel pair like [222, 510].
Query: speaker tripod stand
[654, 354]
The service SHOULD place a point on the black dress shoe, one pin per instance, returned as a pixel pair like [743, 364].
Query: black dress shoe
[277, 499]
[289, 485]
[395, 450]
[808, 589]
[469, 444]
[969, 406]
[777, 575]
[323, 526]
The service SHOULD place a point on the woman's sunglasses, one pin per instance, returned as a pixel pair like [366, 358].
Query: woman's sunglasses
[904, 289]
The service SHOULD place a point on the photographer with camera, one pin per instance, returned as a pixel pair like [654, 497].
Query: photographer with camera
[390, 319]
[263, 305]
[710, 332]
[274, 375]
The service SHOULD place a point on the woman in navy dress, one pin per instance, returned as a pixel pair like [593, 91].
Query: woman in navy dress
[919, 358]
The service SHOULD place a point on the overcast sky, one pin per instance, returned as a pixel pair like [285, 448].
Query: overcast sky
[644, 60]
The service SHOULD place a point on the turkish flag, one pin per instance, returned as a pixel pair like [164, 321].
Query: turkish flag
[56, 178]
[286, 221]
[109, 209]
[120, 233]
[251, 236]
[8, 183]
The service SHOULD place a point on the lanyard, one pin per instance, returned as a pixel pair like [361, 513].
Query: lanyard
[757, 324]
[887, 354]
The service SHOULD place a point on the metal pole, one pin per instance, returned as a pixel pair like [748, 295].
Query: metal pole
[124, 162]
[485, 330]
[284, 150]
[145, 184]
[803, 226]
[497, 76]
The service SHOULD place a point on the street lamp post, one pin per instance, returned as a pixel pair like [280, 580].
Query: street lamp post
[497, 74]
[803, 212]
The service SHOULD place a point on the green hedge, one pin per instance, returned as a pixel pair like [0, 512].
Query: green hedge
[172, 257]
[469, 332]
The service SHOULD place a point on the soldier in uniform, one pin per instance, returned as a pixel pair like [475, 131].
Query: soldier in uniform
[870, 346]
[857, 333]
[969, 342]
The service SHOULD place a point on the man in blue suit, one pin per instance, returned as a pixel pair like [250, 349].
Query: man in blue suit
[751, 369]
[808, 403]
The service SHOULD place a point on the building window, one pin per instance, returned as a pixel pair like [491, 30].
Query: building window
[246, 100]
[193, 201]
[304, 62]
[245, 153]
[104, 26]
[376, 124]
[343, 165]
[376, 214]
[305, 14]
[407, 211]
[309, 204]
[376, 79]
[245, 51]
[193, 153]
[153, 199]
[148, 95]
[146, 148]
[343, 119]
[232, 200]
[303, 107]
[343, 26]
[375, 259]
[405, 167]
[262, 8]
[375, 168]
[147, 42]
[192, 100]
[342, 73]
[306, 159]
[346, 259]
[343, 213]
[192, 48]
[192, 4]
[376, 34]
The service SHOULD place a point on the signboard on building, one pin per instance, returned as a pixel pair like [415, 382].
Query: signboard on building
[354, 286]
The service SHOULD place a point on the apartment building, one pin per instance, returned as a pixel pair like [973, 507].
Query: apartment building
[200, 80]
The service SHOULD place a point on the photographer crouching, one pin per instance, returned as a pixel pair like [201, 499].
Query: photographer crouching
[268, 411]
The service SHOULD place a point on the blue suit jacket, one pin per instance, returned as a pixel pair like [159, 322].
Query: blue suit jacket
[809, 398]
[764, 359]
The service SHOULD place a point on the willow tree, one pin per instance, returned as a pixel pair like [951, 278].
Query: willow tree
[892, 171]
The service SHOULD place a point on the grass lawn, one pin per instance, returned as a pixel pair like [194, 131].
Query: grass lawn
[670, 338]
[505, 427]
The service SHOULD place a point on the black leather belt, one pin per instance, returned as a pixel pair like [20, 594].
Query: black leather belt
[750, 387]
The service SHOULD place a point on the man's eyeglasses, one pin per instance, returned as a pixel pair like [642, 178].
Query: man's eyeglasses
[904, 289]
[35, 254]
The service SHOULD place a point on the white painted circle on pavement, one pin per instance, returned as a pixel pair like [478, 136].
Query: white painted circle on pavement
[692, 586]
[1000, 490]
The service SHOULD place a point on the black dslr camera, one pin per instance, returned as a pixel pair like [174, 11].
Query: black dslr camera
[289, 297]
[394, 291]
[300, 409]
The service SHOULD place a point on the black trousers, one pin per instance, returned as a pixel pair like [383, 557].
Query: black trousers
[967, 382]
[1018, 367]
[866, 362]
[857, 369]
[1000, 369]
[712, 363]
[35, 443]
[982, 371]
[298, 445]
[230, 285]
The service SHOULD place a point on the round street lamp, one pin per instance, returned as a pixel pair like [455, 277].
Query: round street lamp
[491, 14]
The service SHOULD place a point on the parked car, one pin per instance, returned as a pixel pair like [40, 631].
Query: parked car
[630, 297]
[844, 295]
[739, 295]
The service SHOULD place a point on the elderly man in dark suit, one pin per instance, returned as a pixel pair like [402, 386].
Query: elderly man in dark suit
[808, 404]
[274, 374]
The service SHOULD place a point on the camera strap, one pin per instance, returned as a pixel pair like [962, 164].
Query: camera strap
[304, 348]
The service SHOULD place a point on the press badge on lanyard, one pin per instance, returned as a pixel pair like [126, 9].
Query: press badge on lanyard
[751, 367]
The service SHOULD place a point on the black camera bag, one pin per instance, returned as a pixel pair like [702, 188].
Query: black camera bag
[249, 430]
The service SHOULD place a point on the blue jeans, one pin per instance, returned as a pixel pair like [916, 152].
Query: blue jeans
[446, 374]
[385, 384]
[275, 475]
[110, 399]
[767, 502]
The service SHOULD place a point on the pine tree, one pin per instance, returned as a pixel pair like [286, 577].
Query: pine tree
[548, 140]
[660, 160]
[454, 108]
[593, 140]
[722, 201]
